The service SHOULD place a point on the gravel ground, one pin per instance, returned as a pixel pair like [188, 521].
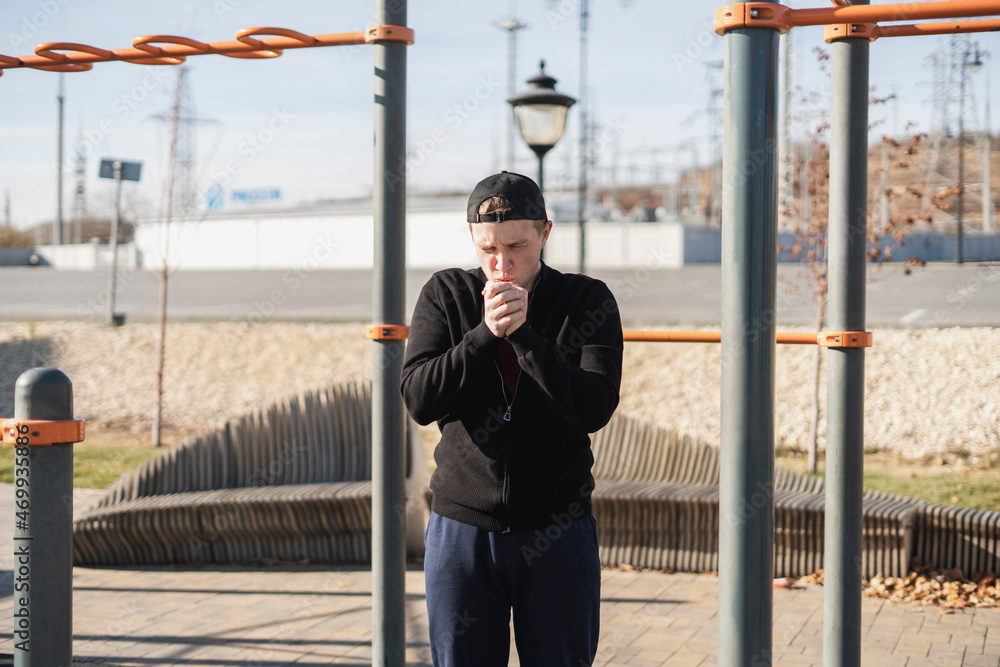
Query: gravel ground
[928, 393]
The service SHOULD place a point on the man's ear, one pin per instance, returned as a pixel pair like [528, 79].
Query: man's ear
[546, 228]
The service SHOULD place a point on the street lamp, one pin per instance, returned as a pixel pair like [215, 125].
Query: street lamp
[540, 114]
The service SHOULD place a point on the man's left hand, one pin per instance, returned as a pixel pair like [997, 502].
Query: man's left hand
[506, 306]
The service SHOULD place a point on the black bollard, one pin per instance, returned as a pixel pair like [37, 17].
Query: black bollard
[43, 522]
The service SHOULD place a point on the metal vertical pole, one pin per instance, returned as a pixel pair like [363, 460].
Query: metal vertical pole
[784, 133]
[59, 164]
[113, 280]
[43, 527]
[541, 173]
[389, 299]
[959, 203]
[584, 143]
[847, 240]
[988, 225]
[541, 186]
[749, 277]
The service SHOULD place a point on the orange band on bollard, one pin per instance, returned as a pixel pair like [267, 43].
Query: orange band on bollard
[387, 332]
[21, 432]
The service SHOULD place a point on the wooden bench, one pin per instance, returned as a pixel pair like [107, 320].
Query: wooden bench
[292, 482]
[657, 506]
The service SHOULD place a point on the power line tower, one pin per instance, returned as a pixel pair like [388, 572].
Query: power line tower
[80, 188]
[183, 114]
[952, 165]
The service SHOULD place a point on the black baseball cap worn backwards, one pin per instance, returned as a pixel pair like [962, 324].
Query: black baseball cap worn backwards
[522, 193]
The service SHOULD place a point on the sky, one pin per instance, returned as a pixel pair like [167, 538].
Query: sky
[299, 128]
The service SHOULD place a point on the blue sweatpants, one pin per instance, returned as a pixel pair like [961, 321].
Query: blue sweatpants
[549, 578]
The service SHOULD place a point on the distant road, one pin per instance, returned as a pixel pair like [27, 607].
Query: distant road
[938, 295]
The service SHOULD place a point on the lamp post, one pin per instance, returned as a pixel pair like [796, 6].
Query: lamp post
[540, 114]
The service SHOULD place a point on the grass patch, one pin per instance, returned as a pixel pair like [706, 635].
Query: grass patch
[960, 485]
[99, 460]
[972, 488]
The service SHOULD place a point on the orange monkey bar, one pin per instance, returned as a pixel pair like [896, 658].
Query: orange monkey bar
[173, 50]
[859, 20]
[824, 338]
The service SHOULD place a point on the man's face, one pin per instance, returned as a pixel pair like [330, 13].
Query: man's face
[510, 250]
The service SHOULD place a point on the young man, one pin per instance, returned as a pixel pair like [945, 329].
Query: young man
[517, 363]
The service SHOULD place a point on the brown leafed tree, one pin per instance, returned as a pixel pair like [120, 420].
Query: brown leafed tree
[806, 209]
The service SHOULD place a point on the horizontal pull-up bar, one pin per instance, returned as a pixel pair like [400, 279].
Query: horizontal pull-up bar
[174, 50]
[857, 19]
[823, 338]
[917, 29]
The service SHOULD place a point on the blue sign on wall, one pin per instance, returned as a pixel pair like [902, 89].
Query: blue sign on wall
[214, 196]
[255, 195]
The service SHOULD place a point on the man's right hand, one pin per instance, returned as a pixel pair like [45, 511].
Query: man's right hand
[506, 307]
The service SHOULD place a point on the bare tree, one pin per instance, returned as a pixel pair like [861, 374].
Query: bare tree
[807, 207]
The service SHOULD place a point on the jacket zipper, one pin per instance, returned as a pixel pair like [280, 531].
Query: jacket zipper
[506, 451]
[506, 484]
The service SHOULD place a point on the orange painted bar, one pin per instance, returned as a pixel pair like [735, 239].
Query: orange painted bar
[917, 29]
[400, 332]
[674, 336]
[170, 49]
[709, 337]
[912, 11]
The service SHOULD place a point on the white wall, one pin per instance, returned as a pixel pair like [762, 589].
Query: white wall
[88, 256]
[434, 239]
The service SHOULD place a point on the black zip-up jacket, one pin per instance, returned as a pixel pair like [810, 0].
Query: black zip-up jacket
[534, 470]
